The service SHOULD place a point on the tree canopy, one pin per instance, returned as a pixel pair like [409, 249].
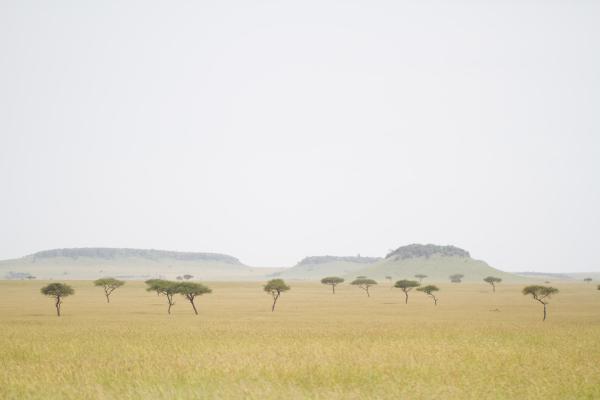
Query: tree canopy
[58, 291]
[164, 287]
[492, 280]
[109, 285]
[406, 286]
[540, 293]
[429, 290]
[275, 287]
[364, 283]
[190, 290]
[456, 278]
[333, 281]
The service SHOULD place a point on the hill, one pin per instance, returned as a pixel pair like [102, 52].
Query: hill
[437, 262]
[124, 263]
[318, 267]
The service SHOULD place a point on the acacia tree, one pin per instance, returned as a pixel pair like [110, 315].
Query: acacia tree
[151, 282]
[492, 280]
[420, 277]
[587, 280]
[58, 291]
[166, 288]
[456, 278]
[275, 287]
[364, 284]
[187, 277]
[333, 281]
[109, 285]
[428, 290]
[406, 286]
[190, 290]
[539, 293]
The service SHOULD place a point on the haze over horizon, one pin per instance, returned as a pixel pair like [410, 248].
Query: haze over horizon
[275, 131]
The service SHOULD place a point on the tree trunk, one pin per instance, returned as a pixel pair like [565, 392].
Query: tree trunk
[435, 301]
[194, 306]
[406, 298]
[107, 298]
[544, 312]
[367, 289]
[333, 288]
[58, 306]
[493, 288]
[274, 302]
[170, 300]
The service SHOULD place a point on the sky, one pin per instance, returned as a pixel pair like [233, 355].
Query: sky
[275, 130]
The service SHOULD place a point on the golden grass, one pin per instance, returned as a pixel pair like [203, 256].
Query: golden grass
[315, 345]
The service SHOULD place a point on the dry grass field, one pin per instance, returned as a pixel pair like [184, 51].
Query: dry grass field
[473, 345]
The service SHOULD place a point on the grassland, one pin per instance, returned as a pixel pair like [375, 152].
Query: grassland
[315, 345]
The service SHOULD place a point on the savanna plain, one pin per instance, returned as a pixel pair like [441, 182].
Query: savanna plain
[474, 345]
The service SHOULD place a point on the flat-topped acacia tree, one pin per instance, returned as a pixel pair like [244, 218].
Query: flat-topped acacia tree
[540, 293]
[58, 291]
[364, 284]
[492, 280]
[428, 290]
[406, 286]
[420, 277]
[587, 280]
[456, 278]
[151, 282]
[190, 290]
[109, 285]
[166, 288]
[275, 287]
[333, 281]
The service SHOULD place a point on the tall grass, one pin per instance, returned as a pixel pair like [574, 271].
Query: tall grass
[473, 345]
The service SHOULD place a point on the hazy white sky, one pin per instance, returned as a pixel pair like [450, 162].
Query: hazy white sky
[274, 130]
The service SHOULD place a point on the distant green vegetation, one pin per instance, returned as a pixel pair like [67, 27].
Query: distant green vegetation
[426, 250]
[110, 253]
